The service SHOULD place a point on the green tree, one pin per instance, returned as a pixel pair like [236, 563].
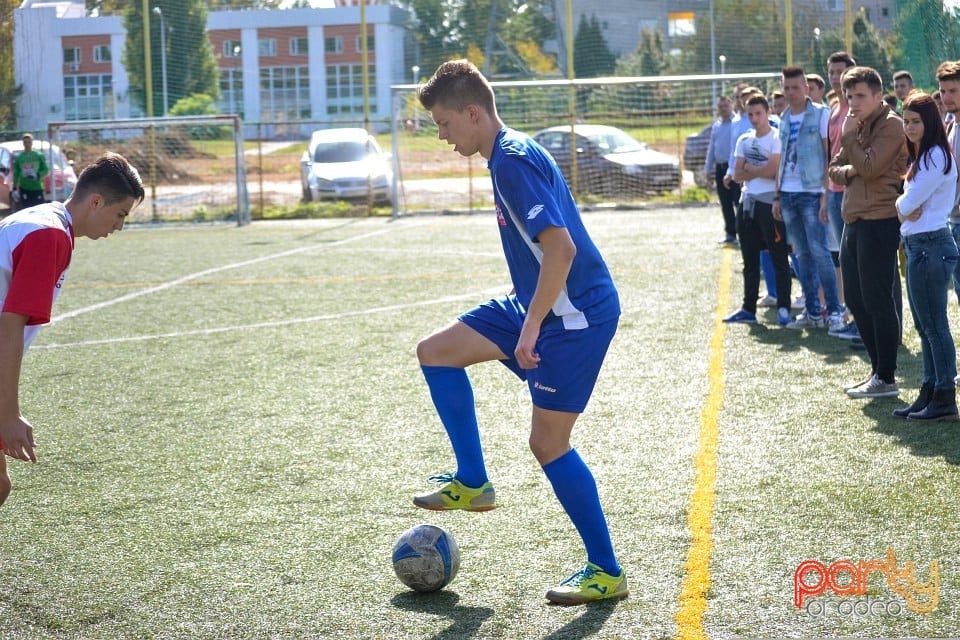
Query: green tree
[750, 33]
[8, 89]
[447, 29]
[869, 49]
[591, 55]
[924, 35]
[191, 66]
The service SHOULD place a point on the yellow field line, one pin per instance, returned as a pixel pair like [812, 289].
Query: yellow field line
[696, 578]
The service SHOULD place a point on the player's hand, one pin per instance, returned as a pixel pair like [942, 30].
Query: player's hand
[775, 210]
[17, 437]
[525, 352]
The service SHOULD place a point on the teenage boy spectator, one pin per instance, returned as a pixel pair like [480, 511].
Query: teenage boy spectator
[801, 199]
[29, 168]
[779, 102]
[757, 157]
[948, 75]
[892, 101]
[871, 163]
[816, 87]
[715, 167]
[741, 125]
[36, 246]
[902, 85]
[837, 63]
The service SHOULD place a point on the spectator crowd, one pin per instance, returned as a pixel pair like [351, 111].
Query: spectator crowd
[852, 192]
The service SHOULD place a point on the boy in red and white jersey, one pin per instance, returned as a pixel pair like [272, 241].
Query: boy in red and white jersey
[36, 245]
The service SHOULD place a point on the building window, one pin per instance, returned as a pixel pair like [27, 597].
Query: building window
[231, 48]
[71, 58]
[267, 47]
[333, 45]
[101, 53]
[371, 45]
[284, 94]
[231, 92]
[299, 47]
[88, 97]
[345, 89]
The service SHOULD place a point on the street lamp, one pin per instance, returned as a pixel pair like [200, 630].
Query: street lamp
[723, 70]
[416, 109]
[163, 56]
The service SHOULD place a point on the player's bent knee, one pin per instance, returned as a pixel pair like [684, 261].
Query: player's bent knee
[546, 449]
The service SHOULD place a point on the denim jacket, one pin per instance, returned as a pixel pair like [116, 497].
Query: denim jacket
[811, 157]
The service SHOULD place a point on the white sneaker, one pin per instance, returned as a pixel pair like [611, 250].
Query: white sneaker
[835, 322]
[804, 321]
[767, 301]
[798, 303]
[876, 388]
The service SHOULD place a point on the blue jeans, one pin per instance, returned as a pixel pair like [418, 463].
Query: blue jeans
[801, 216]
[834, 202]
[931, 262]
[955, 229]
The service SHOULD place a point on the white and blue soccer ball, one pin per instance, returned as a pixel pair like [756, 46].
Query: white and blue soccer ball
[426, 558]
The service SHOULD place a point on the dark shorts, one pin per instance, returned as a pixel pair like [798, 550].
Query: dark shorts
[570, 360]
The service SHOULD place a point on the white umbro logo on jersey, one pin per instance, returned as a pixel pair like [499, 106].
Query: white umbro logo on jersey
[534, 211]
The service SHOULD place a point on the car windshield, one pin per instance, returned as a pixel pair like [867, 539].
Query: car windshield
[330, 152]
[616, 142]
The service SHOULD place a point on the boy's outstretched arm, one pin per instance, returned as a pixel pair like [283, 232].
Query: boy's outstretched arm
[15, 432]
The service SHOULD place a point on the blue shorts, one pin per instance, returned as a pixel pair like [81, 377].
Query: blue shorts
[570, 360]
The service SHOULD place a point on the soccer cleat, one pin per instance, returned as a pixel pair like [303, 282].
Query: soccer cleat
[456, 495]
[741, 316]
[875, 388]
[589, 585]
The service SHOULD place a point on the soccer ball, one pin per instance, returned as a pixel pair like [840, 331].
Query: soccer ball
[426, 558]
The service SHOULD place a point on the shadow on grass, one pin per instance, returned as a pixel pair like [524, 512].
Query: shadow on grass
[466, 620]
[589, 623]
[937, 439]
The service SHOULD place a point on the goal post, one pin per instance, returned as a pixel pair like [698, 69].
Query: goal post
[192, 167]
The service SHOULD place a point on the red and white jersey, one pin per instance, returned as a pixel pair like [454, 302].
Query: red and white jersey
[35, 249]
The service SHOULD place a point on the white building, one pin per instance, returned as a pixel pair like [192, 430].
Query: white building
[275, 65]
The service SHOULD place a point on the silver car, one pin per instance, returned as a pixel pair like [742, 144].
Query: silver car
[345, 164]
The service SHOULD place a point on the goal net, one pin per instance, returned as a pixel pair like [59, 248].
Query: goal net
[192, 167]
[632, 139]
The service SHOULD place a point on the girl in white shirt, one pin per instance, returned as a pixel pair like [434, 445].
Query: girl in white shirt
[929, 191]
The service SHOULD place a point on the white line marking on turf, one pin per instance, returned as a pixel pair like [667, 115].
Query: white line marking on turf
[277, 323]
[207, 272]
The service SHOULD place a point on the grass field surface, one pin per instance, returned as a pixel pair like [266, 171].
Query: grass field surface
[231, 423]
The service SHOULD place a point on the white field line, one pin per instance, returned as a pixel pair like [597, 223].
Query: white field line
[278, 323]
[207, 272]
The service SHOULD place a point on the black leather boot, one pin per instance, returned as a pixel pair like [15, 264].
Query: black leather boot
[943, 406]
[923, 399]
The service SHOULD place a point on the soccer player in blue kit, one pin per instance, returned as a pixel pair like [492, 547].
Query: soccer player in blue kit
[553, 330]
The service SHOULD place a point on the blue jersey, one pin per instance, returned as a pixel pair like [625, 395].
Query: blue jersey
[530, 195]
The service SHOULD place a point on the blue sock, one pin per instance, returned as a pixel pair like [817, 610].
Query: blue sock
[453, 397]
[769, 277]
[577, 491]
